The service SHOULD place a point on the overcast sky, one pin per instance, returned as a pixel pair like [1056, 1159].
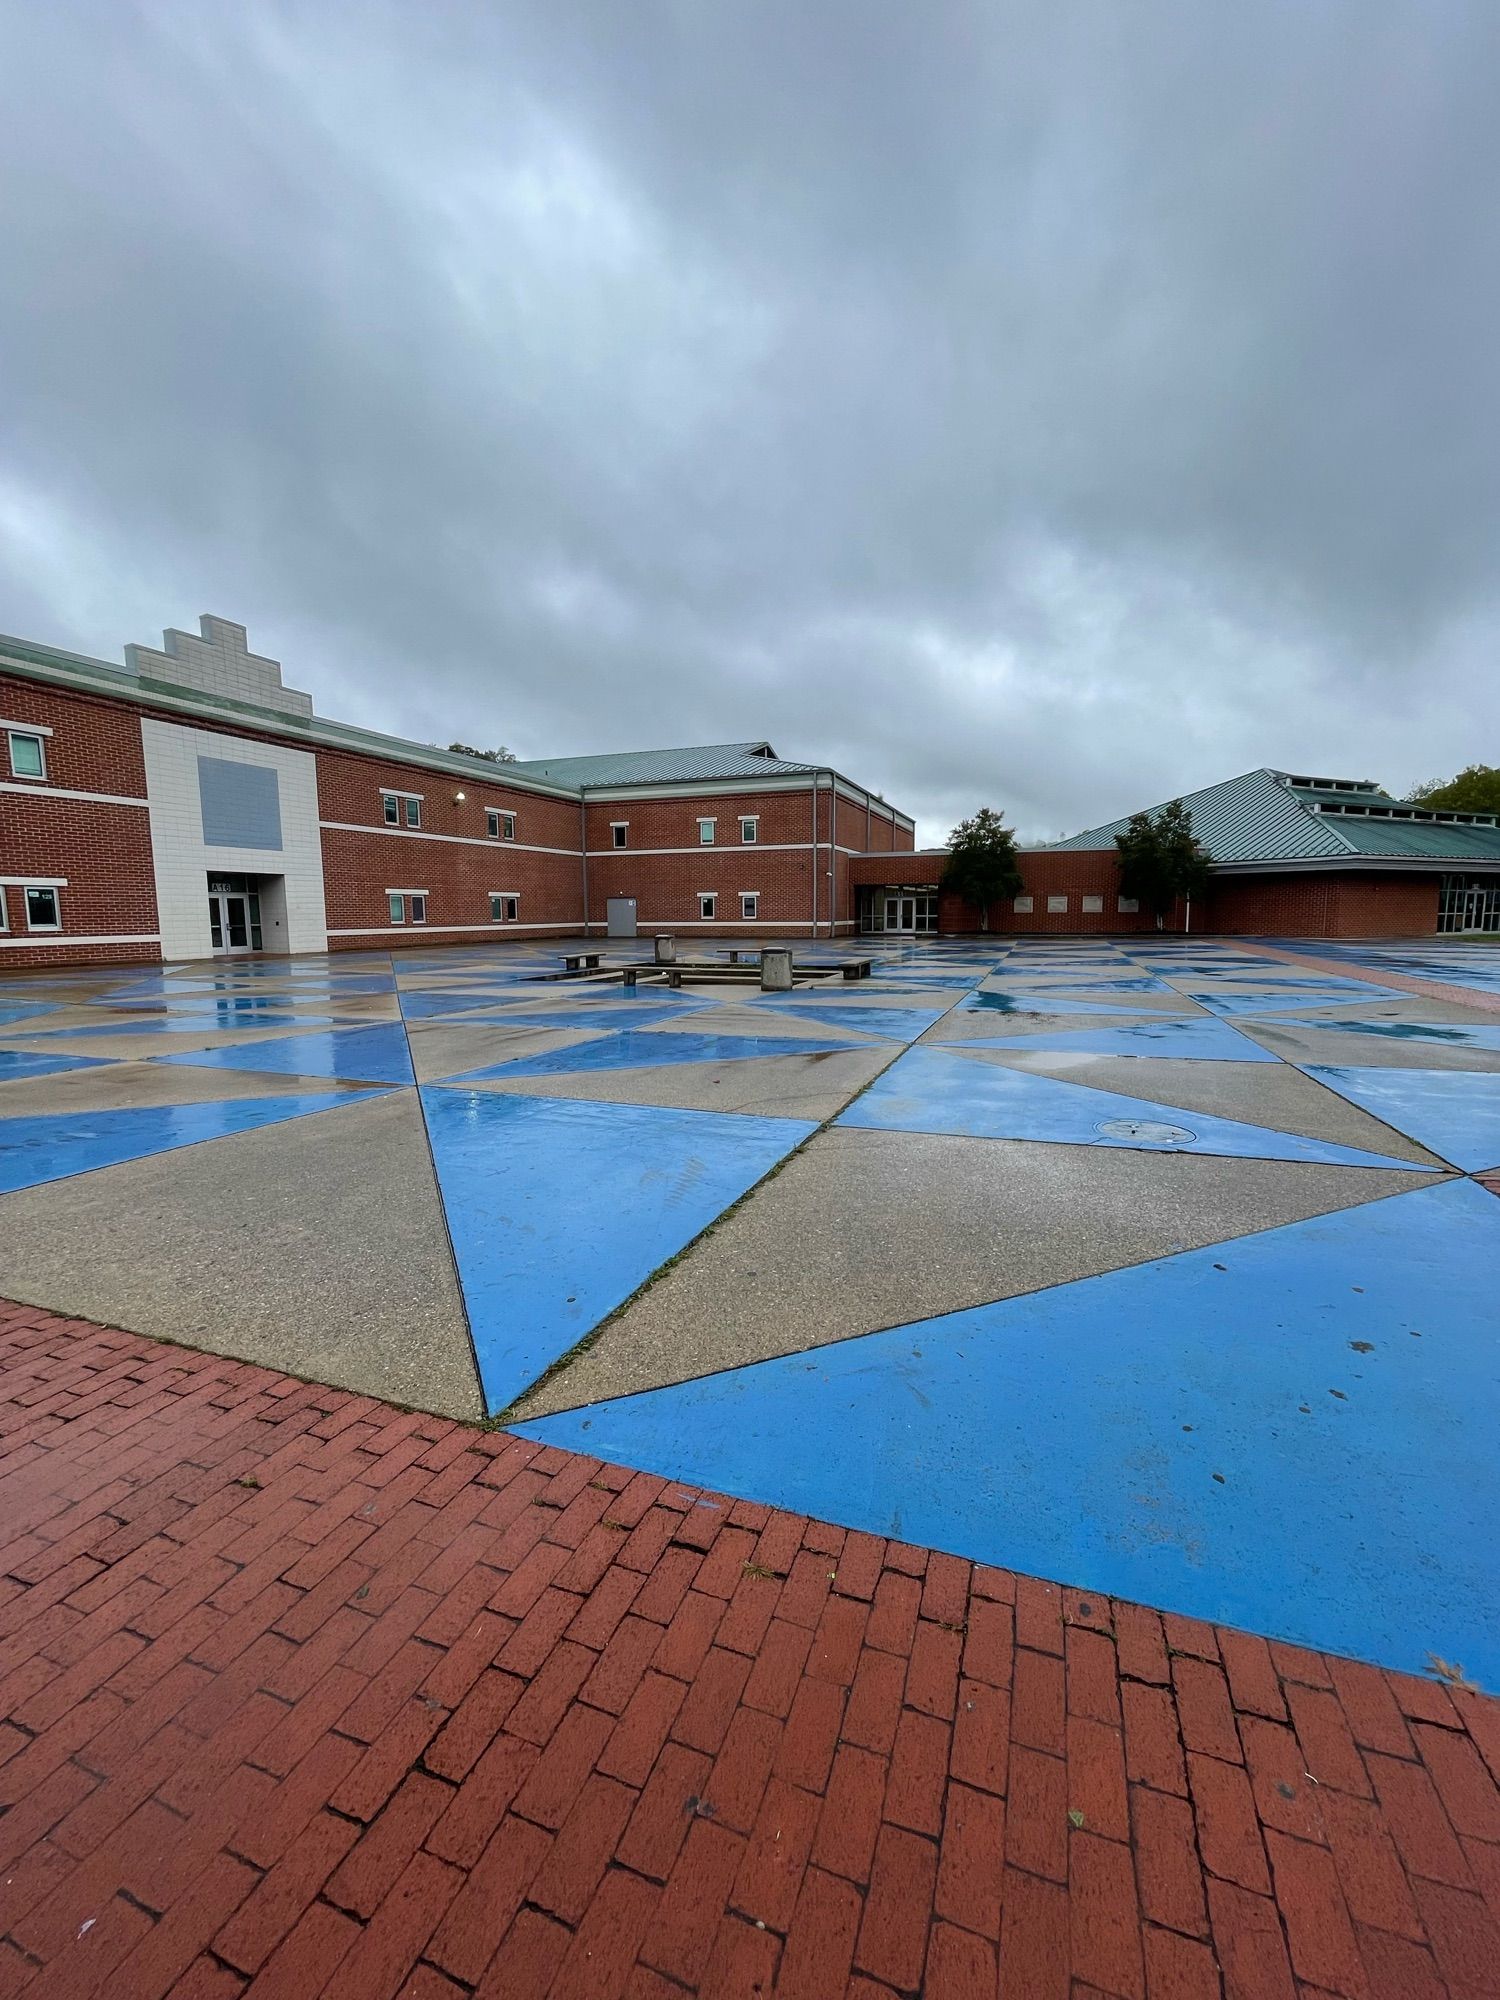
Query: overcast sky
[1055, 405]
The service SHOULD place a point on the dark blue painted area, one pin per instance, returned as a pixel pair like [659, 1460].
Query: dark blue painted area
[18, 1063]
[1142, 984]
[170, 1024]
[1453, 1034]
[939, 1090]
[1271, 1003]
[376, 1054]
[26, 1011]
[628, 1050]
[1076, 1433]
[891, 1024]
[559, 1209]
[1194, 1038]
[1453, 1113]
[1014, 1001]
[50, 1148]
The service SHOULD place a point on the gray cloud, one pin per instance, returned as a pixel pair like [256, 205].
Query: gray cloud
[1053, 406]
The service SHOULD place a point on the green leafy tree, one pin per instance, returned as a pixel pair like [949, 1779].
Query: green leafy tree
[1160, 860]
[1476, 789]
[500, 756]
[982, 865]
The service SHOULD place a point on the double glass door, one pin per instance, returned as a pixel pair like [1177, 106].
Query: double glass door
[234, 920]
[914, 914]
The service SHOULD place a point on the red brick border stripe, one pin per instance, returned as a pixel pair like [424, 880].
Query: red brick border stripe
[305, 1695]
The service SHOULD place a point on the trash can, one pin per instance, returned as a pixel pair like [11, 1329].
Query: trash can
[776, 969]
[666, 950]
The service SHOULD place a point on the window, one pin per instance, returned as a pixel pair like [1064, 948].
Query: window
[708, 907]
[419, 909]
[749, 904]
[1129, 905]
[4, 913]
[28, 753]
[706, 828]
[504, 909]
[749, 830]
[500, 825]
[397, 907]
[1093, 906]
[1023, 906]
[1057, 904]
[392, 807]
[492, 825]
[619, 832]
[413, 812]
[43, 911]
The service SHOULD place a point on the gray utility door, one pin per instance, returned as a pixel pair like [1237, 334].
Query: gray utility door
[620, 915]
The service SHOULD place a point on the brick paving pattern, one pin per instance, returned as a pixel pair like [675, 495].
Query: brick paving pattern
[305, 1695]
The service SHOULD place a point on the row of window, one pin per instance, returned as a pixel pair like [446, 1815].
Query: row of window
[409, 906]
[43, 909]
[1091, 906]
[708, 906]
[708, 831]
[27, 752]
[405, 809]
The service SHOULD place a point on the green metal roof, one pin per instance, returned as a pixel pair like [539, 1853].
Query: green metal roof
[1277, 816]
[668, 767]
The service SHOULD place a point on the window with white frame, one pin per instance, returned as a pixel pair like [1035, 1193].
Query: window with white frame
[4, 912]
[1129, 905]
[418, 901]
[619, 832]
[749, 829]
[492, 824]
[401, 808]
[504, 909]
[708, 906]
[396, 904]
[1093, 906]
[707, 830]
[499, 825]
[28, 752]
[1023, 906]
[749, 905]
[1057, 904]
[43, 910]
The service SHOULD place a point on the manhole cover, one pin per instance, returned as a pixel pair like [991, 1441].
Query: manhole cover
[1146, 1132]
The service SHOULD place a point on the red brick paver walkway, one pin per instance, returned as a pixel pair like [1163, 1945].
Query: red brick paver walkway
[306, 1696]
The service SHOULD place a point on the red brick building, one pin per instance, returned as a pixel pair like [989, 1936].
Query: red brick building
[189, 803]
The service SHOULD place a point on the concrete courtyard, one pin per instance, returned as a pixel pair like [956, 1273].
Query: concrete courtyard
[1160, 1266]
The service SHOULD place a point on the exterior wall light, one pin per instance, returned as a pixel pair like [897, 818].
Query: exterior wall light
[458, 798]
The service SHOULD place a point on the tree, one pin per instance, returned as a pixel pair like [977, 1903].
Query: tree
[1476, 789]
[500, 756]
[981, 865]
[1160, 860]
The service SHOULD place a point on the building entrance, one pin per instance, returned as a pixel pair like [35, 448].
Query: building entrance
[233, 914]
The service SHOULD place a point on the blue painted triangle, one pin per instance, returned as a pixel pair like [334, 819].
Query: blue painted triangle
[1437, 1034]
[1292, 1432]
[18, 1063]
[1142, 983]
[939, 1090]
[540, 1266]
[591, 1016]
[1195, 1037]
[893, 1024]
[52, 1147]
[630, 1050]
[1275, 1003]
[376, 1054]
[26, 1011]
[1453, 1113]
[1015, 1001]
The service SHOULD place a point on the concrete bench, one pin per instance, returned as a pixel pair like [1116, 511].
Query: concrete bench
[581, 961]
[666, 975]
[858, 968]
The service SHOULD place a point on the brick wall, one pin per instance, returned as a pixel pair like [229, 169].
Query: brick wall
[665, 866]
[451, 855]
[1325, 905]
[102, 851]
